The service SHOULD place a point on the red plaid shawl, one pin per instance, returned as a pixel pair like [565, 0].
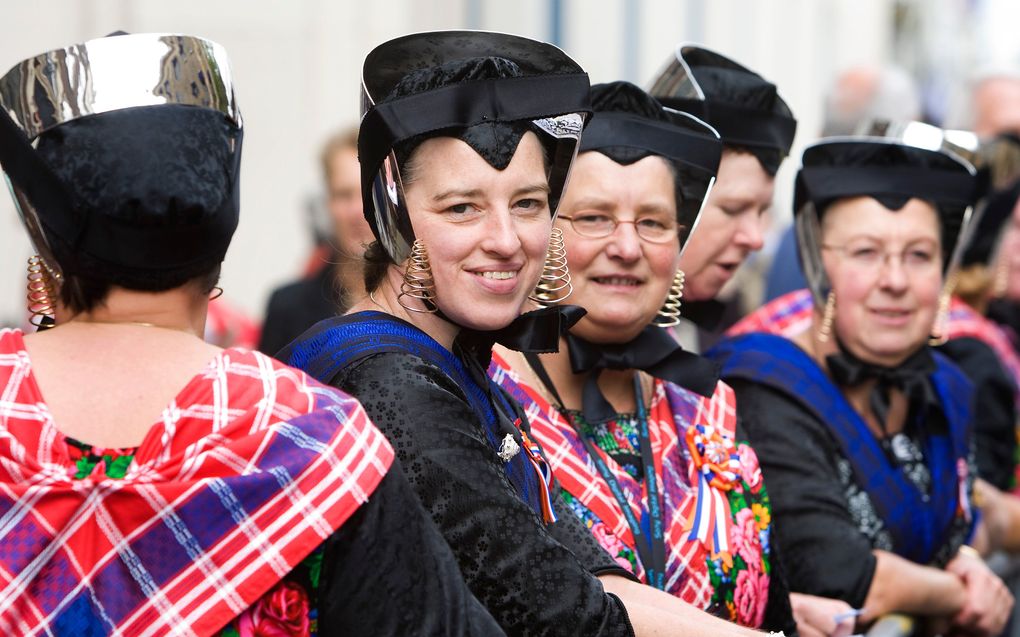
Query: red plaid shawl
[790, 314]
[250, 468]
[672, 413]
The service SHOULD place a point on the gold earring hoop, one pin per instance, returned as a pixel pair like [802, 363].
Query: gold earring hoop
[418, 282]
[828, 318]
[41, 292]
[555, 275]
[669, 314]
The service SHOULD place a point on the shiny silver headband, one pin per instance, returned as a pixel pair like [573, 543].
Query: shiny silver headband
[117, 72]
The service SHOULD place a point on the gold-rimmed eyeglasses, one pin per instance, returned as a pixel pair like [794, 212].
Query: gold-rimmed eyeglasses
[599, 225]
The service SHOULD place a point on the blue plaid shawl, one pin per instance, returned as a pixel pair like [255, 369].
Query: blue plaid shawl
[918, 527]
[334, 344]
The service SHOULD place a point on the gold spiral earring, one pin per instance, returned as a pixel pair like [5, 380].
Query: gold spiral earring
[41, 292]
[669, 314]
[418, 282]
[828, 317]
[555, 275]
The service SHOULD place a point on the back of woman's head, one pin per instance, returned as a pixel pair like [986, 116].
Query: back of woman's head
[142, 186]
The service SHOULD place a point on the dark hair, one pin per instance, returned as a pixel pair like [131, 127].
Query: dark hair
[81, 293]
[769, 158]
[376, 262]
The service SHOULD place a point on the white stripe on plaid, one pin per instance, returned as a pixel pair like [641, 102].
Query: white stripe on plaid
[338, 479]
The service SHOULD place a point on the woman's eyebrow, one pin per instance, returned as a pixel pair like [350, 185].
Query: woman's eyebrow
[454, 192]
[537, 187]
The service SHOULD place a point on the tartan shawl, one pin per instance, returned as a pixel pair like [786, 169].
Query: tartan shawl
[673, 411]
[250, 468]
[790, 314]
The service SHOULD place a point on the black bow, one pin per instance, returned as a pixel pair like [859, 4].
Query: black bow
[538, 331]
[653, 351]
[910, 377]
[707, 314]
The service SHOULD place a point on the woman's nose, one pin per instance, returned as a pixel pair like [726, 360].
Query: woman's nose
[624, 243]
[502, 236]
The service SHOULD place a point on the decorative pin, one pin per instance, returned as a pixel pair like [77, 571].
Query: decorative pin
[509, 448]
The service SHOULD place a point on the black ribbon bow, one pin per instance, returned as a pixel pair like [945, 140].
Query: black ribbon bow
[537, 331]
[910, 377]
[653, 351]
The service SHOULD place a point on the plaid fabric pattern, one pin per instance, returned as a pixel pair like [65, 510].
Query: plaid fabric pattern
[787, 315]
[965, 322]
[251, 467]
[790, 314]
[672, 411]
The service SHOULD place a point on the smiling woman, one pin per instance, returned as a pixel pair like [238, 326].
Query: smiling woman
[629, 419]
[863, 430]
[465, 147]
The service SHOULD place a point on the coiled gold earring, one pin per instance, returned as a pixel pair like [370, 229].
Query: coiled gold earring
[828, 318]
[418, 282]
[41, 294]
[669, 314]
[555, 275]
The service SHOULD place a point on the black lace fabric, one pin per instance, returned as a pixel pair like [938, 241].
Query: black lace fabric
[518, 568]
[825, 523]
[387, 571]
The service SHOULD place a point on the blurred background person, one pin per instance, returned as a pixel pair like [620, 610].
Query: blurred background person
[334, 278]
[996, 104]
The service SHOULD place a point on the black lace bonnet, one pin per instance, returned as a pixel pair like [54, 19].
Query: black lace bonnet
[122, 154]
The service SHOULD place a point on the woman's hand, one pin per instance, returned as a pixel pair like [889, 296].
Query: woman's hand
[816, 616]
[988, 602]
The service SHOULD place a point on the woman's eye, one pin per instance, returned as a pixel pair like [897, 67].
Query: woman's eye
[921, 257]
[864, 253]
[592, 220]
[460, 208]
[653, 224]
[531, 204]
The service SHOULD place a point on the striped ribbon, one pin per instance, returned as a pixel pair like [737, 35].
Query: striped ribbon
[544, 472]
[717, 464]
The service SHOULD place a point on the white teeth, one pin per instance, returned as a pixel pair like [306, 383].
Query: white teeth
[499, 275]
[613, 280]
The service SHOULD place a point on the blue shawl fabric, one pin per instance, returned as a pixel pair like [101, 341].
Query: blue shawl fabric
[332, 345]
[919, 524]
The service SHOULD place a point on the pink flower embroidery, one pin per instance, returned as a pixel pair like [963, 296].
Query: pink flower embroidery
[749, 467]
[612, 544]
[751, 596]
[744, 538]
[282, 612]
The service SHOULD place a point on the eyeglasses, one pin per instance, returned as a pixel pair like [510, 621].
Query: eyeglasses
[597, 226]
[870, 258]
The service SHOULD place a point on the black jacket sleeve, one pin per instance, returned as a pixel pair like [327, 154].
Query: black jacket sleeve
[530, 582]
[823, 551]
[387, 571]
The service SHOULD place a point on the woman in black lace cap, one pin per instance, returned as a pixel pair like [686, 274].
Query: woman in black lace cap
[863, 431]
[465, 147]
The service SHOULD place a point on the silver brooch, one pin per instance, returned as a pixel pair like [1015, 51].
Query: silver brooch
[509, 448]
